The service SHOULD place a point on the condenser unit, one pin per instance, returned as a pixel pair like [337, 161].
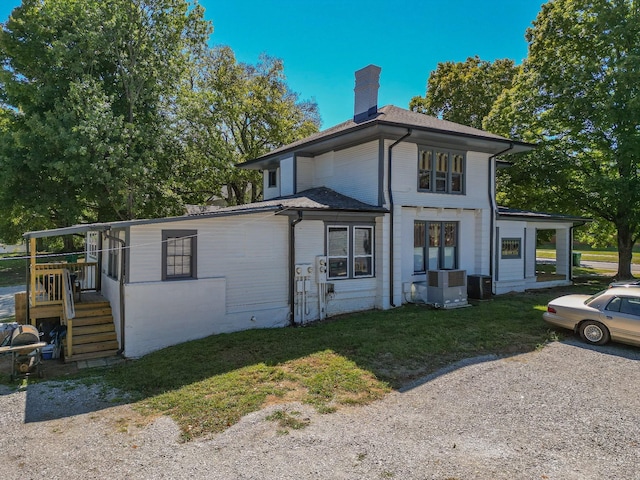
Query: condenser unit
[447, 288]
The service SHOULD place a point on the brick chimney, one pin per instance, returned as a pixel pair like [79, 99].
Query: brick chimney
[366, 93]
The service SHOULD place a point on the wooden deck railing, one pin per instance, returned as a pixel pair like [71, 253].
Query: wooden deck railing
[52, 285]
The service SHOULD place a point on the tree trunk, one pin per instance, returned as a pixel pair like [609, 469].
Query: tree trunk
[68, 246]
[625, 250]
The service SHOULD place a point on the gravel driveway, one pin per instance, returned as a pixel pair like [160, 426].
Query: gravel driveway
[565, 412]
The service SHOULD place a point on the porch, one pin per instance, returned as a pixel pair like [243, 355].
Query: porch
[67, 294]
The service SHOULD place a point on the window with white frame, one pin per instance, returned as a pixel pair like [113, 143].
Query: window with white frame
[350, 251]
[440, 170]
[435, 246]
[179, 248]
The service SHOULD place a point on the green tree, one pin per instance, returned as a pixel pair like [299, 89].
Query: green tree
[87, 89]
[232, 112]
[578, 97]
[464, 92]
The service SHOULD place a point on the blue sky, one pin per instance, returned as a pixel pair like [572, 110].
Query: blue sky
[324, 42]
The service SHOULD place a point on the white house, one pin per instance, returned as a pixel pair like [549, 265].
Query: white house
[389, 207]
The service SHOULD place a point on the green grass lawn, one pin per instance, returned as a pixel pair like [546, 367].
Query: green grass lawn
[589, 255]
[209, 384]
[12, 270]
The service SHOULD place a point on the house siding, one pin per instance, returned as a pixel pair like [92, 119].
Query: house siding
[352, 171]
[242, 282]
[349, 294]
[405, 180]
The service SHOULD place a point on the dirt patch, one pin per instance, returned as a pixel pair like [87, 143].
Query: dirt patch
[51, 369]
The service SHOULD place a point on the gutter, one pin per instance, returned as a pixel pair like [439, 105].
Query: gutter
[391, 208]
[123, 244]
[292, 266]
[494, 209]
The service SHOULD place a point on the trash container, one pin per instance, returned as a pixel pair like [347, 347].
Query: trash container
[576, 259]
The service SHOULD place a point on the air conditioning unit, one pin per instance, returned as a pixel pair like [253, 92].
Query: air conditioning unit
[447, 288]
[479, 287]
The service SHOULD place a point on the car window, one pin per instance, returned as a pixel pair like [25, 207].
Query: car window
[614, 305]
[597, 300]
[630, 306]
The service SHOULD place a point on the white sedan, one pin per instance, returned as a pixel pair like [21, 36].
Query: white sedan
[612, 314]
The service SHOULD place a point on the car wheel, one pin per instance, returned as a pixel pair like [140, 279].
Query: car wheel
[594, 332]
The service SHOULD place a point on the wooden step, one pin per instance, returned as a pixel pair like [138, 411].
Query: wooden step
[90, 305]
[98, 320]
[94, 347]
[93, 312]
[93, 338]
[91, 356]
[93, 328]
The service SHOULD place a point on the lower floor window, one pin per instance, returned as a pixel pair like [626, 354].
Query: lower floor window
[435, 246]
[350, 251]
[179, 254]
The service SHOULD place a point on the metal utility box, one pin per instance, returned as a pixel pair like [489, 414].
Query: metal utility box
[479, 287]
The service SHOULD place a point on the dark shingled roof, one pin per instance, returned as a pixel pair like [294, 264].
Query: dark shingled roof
[392, 115]
[320, 198]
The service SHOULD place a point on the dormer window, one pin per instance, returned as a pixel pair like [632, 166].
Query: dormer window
[440, 170]
[272, 178]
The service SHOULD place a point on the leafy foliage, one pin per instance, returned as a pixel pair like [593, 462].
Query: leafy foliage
[118, 109]
[85, 89]
[232, 112]
[577, 96]
[464, 92]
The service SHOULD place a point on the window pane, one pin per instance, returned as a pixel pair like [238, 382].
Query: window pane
[338, 267]
[419, 243]
[434, 234]
[362, 266]
[419, 234]
[424, 170]
[186, 246]
[338, 241]
[450, 234]
[433, 259]
[362, 241]
[449, 258]
[171, 247]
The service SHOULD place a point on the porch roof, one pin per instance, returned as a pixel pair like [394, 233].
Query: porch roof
[505, 213]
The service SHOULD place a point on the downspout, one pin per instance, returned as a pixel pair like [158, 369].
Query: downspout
[292, 266]
[494, 208]
[123, 244]
[390, 192]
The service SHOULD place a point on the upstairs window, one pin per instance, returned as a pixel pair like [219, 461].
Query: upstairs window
[272, 178]
[440, 170]
[179, 249]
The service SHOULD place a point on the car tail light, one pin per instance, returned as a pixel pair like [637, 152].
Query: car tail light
[550, 309]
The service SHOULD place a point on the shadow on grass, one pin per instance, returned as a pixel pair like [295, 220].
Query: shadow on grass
[209, 384]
